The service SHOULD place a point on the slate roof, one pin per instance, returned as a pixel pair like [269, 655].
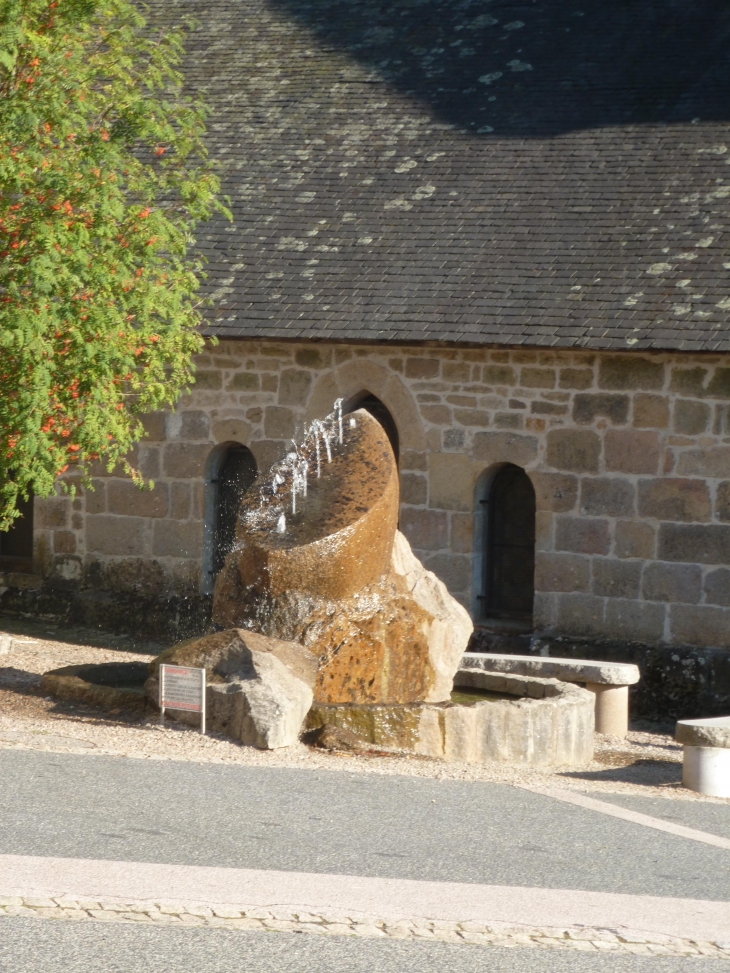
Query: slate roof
[534, 172]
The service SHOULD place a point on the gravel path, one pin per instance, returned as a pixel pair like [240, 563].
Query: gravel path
[647, 763]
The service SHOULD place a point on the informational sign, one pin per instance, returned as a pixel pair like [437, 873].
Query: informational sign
[182, 687]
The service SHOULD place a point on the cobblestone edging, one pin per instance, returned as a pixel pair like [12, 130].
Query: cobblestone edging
[158, 912]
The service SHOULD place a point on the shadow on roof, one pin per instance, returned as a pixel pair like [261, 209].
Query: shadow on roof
[537, 68]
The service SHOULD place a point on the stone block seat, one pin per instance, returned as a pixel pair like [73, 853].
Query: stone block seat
[608, 681]
[706, 763]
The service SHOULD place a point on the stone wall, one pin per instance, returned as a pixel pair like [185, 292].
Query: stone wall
[629, 455]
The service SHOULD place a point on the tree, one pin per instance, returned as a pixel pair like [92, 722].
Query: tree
[103, 177]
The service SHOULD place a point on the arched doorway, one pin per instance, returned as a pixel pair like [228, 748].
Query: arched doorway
[509, 562]
[379, 411]
[231, 471]
[16, 544]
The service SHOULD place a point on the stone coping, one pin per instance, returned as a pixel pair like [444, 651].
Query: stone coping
[711, 732]
[566, 670]
[282, 920]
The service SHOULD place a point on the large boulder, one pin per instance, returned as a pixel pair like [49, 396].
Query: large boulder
[259, 690]
[324, 565]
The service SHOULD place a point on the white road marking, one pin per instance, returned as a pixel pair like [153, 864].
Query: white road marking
[616, 811]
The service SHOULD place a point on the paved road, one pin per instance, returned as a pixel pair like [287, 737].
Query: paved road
[362, 824]
[37, 946]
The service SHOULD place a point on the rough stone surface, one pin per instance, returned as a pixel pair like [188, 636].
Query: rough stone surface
[341, 580]
[259, 689]
[549, 667]
[713, 732]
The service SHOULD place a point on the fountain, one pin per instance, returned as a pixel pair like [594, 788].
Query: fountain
[320, 576]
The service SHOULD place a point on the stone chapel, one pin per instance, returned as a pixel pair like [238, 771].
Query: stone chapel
[501, 226]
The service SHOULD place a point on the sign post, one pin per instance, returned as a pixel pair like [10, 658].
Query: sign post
[182, 687]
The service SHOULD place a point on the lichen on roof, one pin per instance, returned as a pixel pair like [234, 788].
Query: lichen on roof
[543, 172]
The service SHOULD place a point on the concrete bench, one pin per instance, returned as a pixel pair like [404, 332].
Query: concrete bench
[608, 681]
[706, 763]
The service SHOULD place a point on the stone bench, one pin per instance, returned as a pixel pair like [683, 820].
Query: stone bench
[706, 763]
[608, 681]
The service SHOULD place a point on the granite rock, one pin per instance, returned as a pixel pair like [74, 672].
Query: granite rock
[259, 690]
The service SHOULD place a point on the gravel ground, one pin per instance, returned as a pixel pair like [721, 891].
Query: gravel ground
[647, 763]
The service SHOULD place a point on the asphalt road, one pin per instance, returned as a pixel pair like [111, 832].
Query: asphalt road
[362, 824]
[49, 946]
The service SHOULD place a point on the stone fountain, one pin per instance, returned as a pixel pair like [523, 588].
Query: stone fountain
[326, 617]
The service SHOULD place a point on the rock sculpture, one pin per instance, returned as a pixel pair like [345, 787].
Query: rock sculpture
[318, 561]
[259, 690]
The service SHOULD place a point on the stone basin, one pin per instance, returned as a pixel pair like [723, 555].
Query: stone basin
[492, 718]
[109, 685]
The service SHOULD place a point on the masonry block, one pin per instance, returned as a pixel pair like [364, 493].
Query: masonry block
[722, 501]
[690, 418]
[582, 535]
[562, 572]
[694, 543]
[607, 496]
[413, 489]
[207, 380]
[614, 578]
[579, 614]
[498, 375]
[630, 373]
[557, 492]
[115, 535]
[451, 480]
[461, 533]
[426, 530]
[700, 625]
[233, 430]
[635, 621]
[185, 460]
[719, 384]
[127, 499]
[672, 582]
[712, 462]
[576, 378]
[172, 538]
[537, 378]
[439, 415]
[453, 569]
[717, 587]
[688, 381]
[650, 411]
[631, 451]
[95, 500]
[573, 450]
[422, 367]
[279, 423]
[589, 406]
[505, 447]
[51, 513]
[671, 498]
[294, 386]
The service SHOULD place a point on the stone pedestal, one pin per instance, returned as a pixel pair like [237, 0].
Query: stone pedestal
[612, 709]
[707, 770]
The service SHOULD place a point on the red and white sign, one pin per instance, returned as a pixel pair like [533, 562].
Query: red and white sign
[183, 687]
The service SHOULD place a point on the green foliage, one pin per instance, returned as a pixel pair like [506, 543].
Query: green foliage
[103, 177]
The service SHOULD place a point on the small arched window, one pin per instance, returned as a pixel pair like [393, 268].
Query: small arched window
[16, 544]
[231, 471]
[379, 411]
[509, 546]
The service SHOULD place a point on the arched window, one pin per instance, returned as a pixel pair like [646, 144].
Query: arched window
[16, 544]
[509, 546]
[373, 405]
[231, 471]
